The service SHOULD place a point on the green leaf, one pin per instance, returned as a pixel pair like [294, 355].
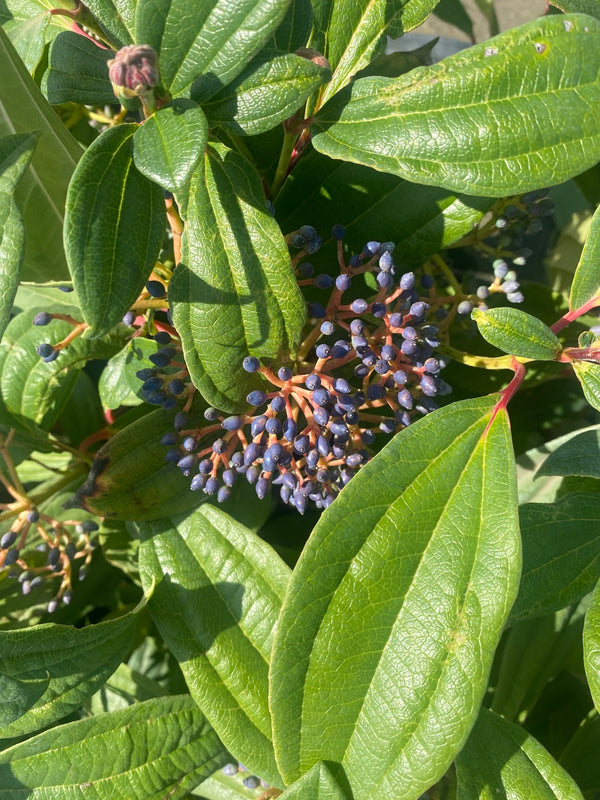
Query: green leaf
[41, 194]
[15, 155]
[318, 784]
[351, 34]
[517, 333]
[125, 687]
[218, 593]
[579, 757]
[591, 7]
[271, 89]
[588, 375]
[502, 761]
[591, 647]
[115, 221]
[68, 663]
[234, 291]
[389, 624]
[34, 392]
[483, 135]
[117, 20]
[586, 281]
[150, 751]
[295, 29]
[561, 554]
[168, 146]
[421, 220]
[453, 12]
[29, 38]
[118, 384]
[77, 72]
[578, 455]
[206, 44]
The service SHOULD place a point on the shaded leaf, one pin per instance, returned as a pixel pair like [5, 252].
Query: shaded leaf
[579, 757]
[152, 750]
[561, 554]
[15, 155]
[591, 7]
[218, 593]
[517, 333]
[168, 146]
[578, 455]
[116, 18]
[66, 665]
[586, 281]
[271, 89]
[472, 122]
[206, 44]
[77, 72]
[41, 194]
[295, 29]
[502, 761]
[453, 12]
[588, 375]
[318, 784]
[591, 647]
[115, 220]
[411, 574]
[234, 291]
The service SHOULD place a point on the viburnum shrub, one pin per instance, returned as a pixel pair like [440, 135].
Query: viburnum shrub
[268, 299]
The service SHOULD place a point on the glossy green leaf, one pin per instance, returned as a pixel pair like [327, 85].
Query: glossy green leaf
[114, 228]
[420, 220]
[218, 593]
[318, 784]
[69, 663]
[578, 455]
[398, 63]
[206, 44]
[150, 751]
[41, 194]
[271, 89]
[501, 761]
[517, 333]
[34, 392]
[15, 155]
[234, 291]
[351, 34]
[29, 38]
[117, 20]
[118, 384]
[586, 281]
[588, 375]
[561, 554]
[472, 123]
[579, 757]
[388, 628]
[130, 478]
[168, 146]
[591, 647]
[591, 7]
[77, 72]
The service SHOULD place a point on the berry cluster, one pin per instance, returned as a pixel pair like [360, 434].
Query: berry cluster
[367, 367]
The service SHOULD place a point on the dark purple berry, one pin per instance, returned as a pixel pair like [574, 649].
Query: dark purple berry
[323, 281]
[355, 261]
[43, 318]
[156, 289]
[378, 310]
[44, 350]
[305, 269]
[180, 420]
[316, 310]
[176, 387]
[223, 494]
[338, 232]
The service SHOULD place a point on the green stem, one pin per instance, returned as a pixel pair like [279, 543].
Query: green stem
[287, 148]
[484, 362]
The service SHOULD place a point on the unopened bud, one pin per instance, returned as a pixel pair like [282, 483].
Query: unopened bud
[314, 56]
[134, 70]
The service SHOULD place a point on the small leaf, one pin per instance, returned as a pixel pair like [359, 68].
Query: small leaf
[218, 593]
[517, 333]
[579, 455]
[586, 281]
[15, 155]
[386, 636]
[561, 554]
[271, 89]
[501, 760]
[115, 222]
[206, 44]
[588, 375]
[591, 7]
[168, 146]
[591, 647]
[77, 72]
[483, 136]
[234, 292]
[68, 664]
[318, 784]
[150, 751]
[41, 194]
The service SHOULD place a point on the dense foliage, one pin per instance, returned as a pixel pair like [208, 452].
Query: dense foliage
[268, 298]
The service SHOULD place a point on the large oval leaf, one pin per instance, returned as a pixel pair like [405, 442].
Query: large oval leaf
[387, 632]
[77, 72]
[518, 112]
[586, 281]
[114, 227]
[150, 751]
[234, 291]
[591, 647]
[218, 593]
[517, 333]
[501, 761]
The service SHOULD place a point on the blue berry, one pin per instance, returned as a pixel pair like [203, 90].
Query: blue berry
[211, 414]
[388, 426]
[371, 248]
[223, 494]
[327, 328]
[343, 282]
[8, 539]
[368, 437]
[418, 309]
[432, 365]
[230, 769]
[172, 456]
[284, 374]
[145, 374]
[375, 391]
[405, 399]
[316, 310]
[305, 269]
[163, 338]
[251, 364]
[169, 404]
[464, 307]
[407, 281]
[257, 398]
[338, 232]
[156, 289]
[43, 318]
[515, 297]
[388, 352]
[322, 350]
[428, 386]
[273, 426]
[323, 446]
[381, 366]
[257, 425]
[386, 261]
[277, 404]
[198, 482]
[354, 460]
[410, 333]
[301, 444]
[233, 423]
[338, 428]
[211, 486]
[176, 387]
[314, 245]
[205, 467]
[186, 464]
[321, 416]
[321, 397]
[190, 443]
[384, 280]
[159, 359]
[427, 281]
[357, 327]
[355, 261]
[409, 348]
[33, 515]
[378, 310]
[44, 350]
[229, 477]
[323, 281]
[342, 386]
[312, 382]
[219, 446]
[262, 487]
[359, 306]
[339, 350]
[500, 268]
